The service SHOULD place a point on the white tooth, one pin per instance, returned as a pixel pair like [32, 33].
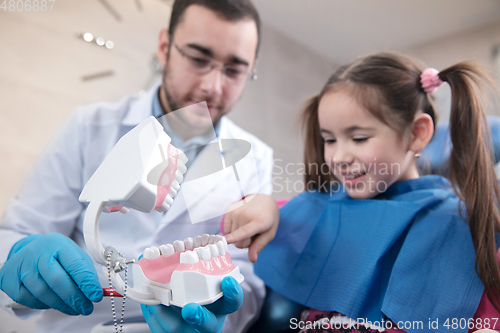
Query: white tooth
[197, 241]
[172, 192]
[181, 167]
[182, 157]
[211, 239]
[148, 253]
[179, 246]
[163, 208]
[167, 250]
[189, 257]
[204, 239]
[203, 253]
[168, 200]
[124, 210]
[175, 185]
[224, 241]
[188, 242]
[220, 247]
[179, 176]
[217, 238]
[156, 251]
[151, 252]
[213, 250]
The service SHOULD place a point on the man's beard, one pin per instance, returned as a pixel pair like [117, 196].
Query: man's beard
[172, 104]
[175, 104]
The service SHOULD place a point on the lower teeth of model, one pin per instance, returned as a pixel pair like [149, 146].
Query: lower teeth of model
[201, 247]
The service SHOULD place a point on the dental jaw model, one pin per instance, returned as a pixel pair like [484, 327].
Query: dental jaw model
[187, 271]
[143, 172]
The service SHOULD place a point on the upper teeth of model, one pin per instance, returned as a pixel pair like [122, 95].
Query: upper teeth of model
[191, 251]
[175, 183]
[174, 188]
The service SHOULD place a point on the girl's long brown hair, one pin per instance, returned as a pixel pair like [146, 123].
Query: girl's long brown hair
[388, 85]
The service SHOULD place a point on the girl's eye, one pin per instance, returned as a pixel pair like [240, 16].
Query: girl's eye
[329, 141]
[360, 140]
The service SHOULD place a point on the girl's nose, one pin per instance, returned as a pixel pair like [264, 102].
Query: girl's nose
[342, 156]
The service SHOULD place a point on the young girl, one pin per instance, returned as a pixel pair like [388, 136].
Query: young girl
[371, 245]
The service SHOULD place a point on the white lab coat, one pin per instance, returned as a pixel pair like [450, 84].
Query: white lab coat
[49, 203]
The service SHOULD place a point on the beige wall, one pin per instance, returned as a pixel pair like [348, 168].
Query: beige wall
[289, 73]
[476, 44]
[42, 63]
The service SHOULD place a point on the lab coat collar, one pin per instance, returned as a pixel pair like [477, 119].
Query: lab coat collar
[141, 108]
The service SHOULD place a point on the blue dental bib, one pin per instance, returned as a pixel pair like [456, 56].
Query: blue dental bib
[406, 254]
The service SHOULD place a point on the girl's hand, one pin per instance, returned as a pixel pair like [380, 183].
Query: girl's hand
[252, 222]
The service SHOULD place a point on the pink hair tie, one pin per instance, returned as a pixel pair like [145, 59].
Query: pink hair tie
[430, 80]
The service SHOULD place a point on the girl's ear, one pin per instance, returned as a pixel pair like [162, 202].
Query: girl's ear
[421, 132]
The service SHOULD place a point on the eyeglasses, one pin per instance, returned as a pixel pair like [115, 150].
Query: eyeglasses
[203, 64]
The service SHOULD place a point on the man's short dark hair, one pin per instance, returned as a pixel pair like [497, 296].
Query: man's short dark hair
[231, 10]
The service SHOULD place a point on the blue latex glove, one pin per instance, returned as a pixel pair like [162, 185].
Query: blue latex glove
[194, 317]
[51, 271]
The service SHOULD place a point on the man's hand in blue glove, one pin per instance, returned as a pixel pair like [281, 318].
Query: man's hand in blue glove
[51, 271]
[194, 317]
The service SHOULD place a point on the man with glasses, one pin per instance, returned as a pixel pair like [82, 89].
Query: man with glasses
[208, 53]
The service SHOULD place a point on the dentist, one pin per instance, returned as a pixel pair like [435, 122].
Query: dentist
[208, 53]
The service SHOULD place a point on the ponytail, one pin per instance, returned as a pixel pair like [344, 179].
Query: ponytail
[472, 171]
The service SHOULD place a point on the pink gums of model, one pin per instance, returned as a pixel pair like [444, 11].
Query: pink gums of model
[187, 271]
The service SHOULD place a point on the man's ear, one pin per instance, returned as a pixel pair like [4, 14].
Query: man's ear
[163, 44]
[421, 132]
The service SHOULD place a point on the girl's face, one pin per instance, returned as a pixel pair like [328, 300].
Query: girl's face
[364, 154]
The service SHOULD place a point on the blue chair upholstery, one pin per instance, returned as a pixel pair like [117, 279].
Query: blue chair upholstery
[276, 314]
[434, 159]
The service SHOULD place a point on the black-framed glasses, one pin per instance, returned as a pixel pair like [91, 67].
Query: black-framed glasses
[202, 64]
